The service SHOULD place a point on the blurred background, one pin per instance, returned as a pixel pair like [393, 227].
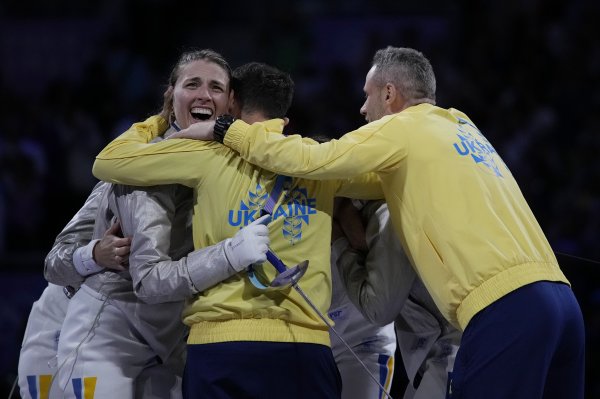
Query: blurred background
[74, 74]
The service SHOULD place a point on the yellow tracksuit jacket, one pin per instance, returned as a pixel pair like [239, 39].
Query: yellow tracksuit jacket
[456, 207]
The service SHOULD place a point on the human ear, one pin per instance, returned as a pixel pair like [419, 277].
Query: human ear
[390, 93]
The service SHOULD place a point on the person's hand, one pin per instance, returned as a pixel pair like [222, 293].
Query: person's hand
[350, 222]
[198, 131]
[112, 251]
[249, 245]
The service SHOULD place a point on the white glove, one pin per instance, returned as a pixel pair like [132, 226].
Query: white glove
[249, 245]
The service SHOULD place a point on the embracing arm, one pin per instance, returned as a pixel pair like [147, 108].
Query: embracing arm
[132, 159]
[163, 265]
[371, 148]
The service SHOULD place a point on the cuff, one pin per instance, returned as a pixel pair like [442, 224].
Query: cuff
[83, 259]
[235, 135]
[208, 267]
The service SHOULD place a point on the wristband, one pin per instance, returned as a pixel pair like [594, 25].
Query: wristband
[222, 123]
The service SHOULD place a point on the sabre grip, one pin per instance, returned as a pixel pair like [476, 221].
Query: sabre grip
[275, 261]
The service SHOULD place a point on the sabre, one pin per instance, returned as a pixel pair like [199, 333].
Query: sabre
[289, 277]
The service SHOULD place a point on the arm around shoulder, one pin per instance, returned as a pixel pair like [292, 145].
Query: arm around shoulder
[114, 163]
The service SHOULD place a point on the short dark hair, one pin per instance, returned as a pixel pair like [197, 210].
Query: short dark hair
[408, 69]
[262, 88]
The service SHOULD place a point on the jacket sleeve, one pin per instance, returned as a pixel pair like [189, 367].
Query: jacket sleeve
[376, 147]
[366, 187]
[131, 158]
[378, 284]
[58, 266]
[162, 263]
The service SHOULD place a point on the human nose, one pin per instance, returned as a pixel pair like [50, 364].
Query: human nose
[203, 93]
[363, 109]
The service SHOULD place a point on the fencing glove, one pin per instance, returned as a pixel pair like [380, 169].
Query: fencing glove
[249, 245]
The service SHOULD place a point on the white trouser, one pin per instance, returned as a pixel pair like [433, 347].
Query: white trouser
[433, 361]
[37, 360]
[374, 345]
[100, 355]
[356, 383]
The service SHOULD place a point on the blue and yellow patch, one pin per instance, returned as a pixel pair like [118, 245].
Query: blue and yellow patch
[84, 388]
[39, 385]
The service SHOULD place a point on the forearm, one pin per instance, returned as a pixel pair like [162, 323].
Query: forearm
[364, 150]
[163, 265]
[168, 280]
[59, 265]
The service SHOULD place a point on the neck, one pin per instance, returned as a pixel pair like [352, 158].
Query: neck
[251, 117]
[413, 102]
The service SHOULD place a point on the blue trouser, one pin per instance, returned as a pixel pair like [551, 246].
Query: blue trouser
[261, 370]
[528, 344]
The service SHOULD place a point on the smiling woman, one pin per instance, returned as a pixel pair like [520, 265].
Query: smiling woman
[198, 87]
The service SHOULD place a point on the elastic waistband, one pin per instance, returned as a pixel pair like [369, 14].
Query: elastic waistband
[266, 330]
[505, 282]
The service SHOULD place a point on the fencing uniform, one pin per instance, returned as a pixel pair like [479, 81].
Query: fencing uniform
[69, 262]
[110, 337]
[122, 334]
[385, 287]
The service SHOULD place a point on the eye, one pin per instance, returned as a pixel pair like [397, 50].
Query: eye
[191, 85]
[218, 89]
